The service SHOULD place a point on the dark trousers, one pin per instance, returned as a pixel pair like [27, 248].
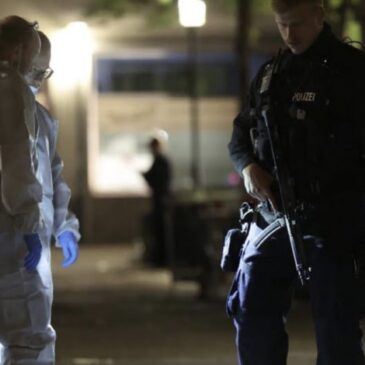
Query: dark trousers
[260, 300]
[161, 229]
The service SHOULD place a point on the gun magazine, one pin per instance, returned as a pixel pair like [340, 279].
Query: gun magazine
[268, 232]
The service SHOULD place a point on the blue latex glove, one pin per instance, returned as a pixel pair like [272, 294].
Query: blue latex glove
[70, 248]
[34, 246]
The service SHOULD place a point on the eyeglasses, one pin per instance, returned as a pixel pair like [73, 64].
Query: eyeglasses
[41, 74]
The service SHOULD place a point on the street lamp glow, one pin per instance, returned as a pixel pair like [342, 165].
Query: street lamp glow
[72, 49]
[192, 13]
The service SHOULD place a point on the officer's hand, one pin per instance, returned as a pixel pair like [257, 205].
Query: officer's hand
[34, 246]
[70, 248]
[258, 183]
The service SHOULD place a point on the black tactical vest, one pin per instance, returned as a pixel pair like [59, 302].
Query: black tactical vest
[313, 137]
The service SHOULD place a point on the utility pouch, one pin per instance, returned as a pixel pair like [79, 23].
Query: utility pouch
[235, 239]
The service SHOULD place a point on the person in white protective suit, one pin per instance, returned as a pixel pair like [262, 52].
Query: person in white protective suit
[59, 221]
[33, 206]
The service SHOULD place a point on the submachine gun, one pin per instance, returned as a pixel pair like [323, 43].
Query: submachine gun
[287, 217]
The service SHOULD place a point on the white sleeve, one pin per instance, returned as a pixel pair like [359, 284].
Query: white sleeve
[64, 219]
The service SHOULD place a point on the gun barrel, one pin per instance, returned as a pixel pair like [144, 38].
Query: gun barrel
[297, 247]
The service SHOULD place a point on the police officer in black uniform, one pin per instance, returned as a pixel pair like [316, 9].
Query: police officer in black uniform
[318, 96]
[158, 177]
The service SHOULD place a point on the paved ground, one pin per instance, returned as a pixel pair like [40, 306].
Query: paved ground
[109, 310]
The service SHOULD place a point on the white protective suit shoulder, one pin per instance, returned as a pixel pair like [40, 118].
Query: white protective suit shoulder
[21, 192]
[50, 174]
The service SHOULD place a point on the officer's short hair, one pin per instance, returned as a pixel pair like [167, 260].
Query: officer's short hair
[14, 31]
[281, 6]
[45, 42]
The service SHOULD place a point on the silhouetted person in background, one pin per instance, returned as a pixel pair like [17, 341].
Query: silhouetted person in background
[158, 178]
